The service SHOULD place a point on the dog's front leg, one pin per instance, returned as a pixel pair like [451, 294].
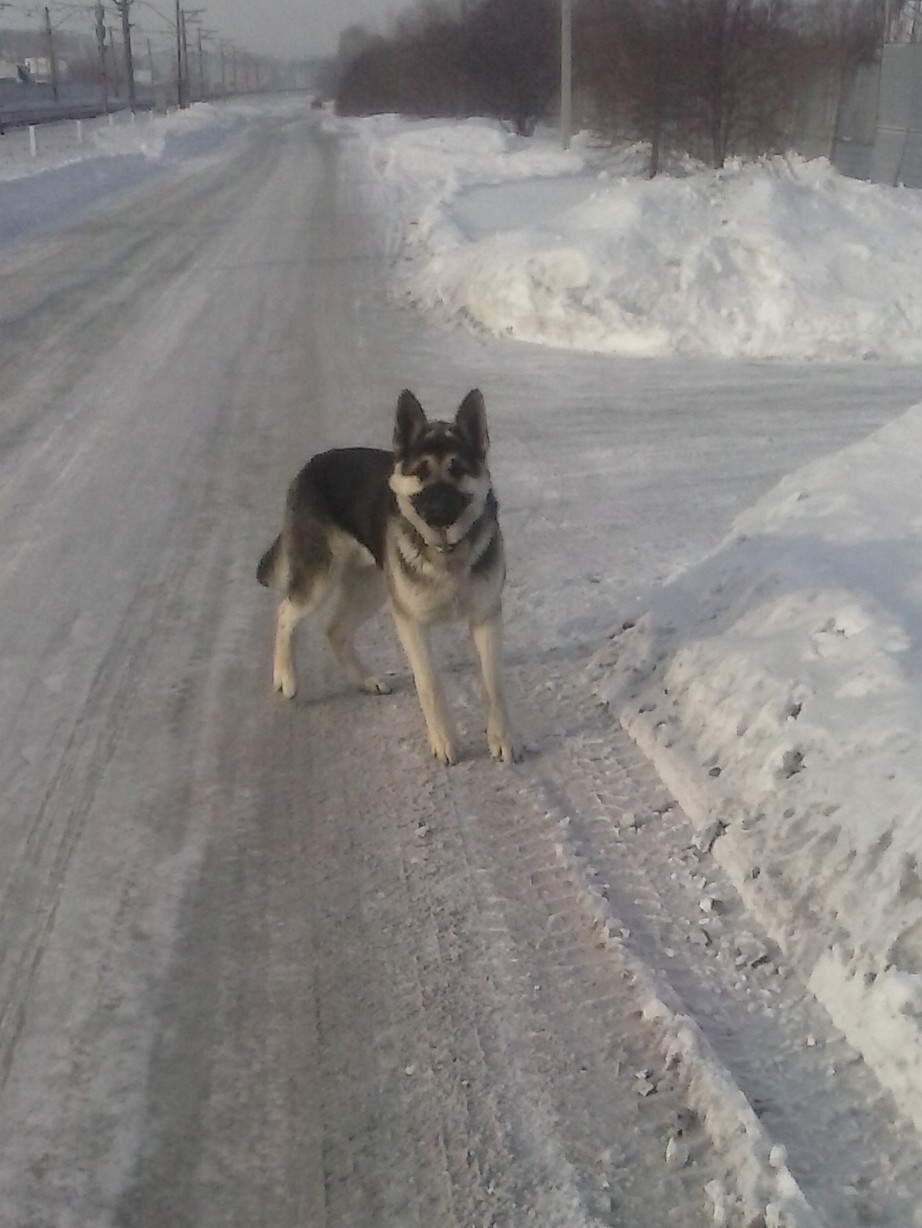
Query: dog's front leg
[415, 641]
[488, 641]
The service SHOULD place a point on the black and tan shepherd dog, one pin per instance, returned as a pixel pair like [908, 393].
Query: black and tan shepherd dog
[417, 527]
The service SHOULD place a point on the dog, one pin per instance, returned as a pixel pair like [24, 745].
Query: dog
[416, 527]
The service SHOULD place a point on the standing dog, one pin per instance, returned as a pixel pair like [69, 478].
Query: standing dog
[418, 527]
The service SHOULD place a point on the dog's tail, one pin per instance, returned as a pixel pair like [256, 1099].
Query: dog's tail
[273, 570]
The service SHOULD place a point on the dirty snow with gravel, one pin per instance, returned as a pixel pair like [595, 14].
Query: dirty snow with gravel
[777, 683]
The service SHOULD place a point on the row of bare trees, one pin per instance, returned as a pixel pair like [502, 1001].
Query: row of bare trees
[500, 58]
[715, 77]
[708, 77]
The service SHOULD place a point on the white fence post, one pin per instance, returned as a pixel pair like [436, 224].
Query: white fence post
[79, 131]
[33, 146]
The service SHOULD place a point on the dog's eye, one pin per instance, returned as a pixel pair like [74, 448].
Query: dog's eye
[422, 471]
[456, 469]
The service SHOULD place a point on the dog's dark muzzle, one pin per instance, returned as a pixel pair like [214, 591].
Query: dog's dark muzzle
[440, 504]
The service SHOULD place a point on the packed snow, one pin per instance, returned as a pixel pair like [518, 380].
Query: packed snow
[777, 683]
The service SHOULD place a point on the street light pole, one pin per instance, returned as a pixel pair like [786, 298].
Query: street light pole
[566, 72]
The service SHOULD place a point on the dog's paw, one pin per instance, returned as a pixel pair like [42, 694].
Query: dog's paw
[286, 683]
[376, 686]
[504, 745]
[443, 748]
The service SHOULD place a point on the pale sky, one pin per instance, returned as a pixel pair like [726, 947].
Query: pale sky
[292, 28]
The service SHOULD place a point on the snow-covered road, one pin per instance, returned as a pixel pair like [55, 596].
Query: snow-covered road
[263, 963]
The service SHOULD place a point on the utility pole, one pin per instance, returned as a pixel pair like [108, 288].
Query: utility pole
[52, 59]
[566, 72]
[123, 6]
[101, 44]
[205, 61]
[179, 99]
[192, 16]
[114, 66]
[185, 58]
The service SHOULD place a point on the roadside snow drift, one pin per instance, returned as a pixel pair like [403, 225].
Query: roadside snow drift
[781, 258]
[776, 685]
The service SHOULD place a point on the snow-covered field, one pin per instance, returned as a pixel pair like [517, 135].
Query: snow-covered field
[777, 683]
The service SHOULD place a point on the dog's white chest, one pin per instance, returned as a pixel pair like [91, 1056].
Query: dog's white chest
[434, 585]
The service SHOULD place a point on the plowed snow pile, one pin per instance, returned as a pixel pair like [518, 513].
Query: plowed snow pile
[776, 684]
[779, 258]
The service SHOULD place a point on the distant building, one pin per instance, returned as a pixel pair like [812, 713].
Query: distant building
[38, 67]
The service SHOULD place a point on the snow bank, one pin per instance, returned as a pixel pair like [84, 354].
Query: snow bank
[776, 686]
[780, 258]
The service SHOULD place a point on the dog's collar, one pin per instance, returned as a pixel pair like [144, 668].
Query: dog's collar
[445, 546]
[448, 547]
[441, 544]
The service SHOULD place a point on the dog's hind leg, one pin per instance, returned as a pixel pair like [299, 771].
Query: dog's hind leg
[291, 611]
[488, 642]
[297, 605]
[439, 728]
[361, 594]
[311, 574]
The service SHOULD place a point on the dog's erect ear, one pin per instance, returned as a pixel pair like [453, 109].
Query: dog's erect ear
[471, 422]
[409, 423]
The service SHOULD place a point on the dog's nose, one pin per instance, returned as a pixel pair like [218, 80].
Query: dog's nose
[440, 504]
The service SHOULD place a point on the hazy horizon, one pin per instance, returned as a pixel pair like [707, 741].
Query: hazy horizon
[295, 28]
[288, 29]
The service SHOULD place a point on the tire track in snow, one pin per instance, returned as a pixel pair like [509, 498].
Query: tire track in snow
[65, 805]
[804, 1132]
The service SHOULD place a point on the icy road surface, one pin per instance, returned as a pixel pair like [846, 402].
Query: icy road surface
[262, 963]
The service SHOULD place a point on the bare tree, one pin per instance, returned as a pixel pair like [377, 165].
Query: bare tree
[709, 77]
[631, 63]
[353, 41]
[415, 71]
[730, 64]
[511, 59]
